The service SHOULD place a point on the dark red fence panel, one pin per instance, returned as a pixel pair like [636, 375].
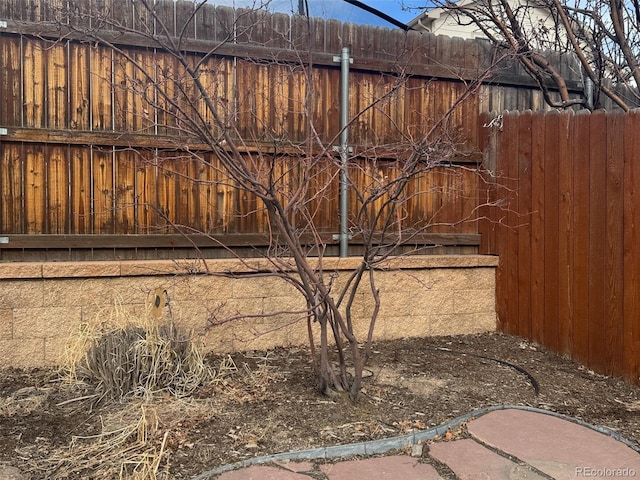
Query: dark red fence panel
[567, 233]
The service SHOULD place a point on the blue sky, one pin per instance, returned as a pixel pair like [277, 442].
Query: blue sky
[402, 10]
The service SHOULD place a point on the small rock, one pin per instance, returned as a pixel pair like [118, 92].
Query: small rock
[416, 450]
[7, 472]
[251, 444]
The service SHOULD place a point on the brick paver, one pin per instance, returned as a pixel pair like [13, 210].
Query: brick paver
[399, 467]
[470, 460]
[557, 447]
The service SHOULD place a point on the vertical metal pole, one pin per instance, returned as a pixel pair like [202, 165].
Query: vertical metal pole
[588, 90]
[345, 60]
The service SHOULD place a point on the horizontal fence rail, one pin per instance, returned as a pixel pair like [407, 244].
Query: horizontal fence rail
[198, 246]
[568, 239]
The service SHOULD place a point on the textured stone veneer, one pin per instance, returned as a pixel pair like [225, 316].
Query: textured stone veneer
[43, 304]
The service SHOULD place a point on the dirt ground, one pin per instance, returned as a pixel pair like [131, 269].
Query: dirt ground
[265, 403]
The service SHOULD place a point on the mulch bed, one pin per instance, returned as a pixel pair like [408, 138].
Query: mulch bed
[267, 404]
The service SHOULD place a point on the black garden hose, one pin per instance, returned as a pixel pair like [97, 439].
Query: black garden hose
[534, 383]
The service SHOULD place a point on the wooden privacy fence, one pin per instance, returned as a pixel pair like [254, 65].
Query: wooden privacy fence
[569, 235]
[87, 151]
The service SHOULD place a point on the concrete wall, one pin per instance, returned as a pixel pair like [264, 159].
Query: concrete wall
[43, 304]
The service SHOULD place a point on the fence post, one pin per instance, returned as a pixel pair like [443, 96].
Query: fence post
[344, 60]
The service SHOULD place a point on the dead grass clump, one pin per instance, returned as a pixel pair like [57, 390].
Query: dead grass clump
[138, 361]
[135, 443]
[123, 356]
[131, 447]
[136, 439]
[135, 353]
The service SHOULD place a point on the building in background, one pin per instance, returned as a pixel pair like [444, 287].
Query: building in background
[536, 20]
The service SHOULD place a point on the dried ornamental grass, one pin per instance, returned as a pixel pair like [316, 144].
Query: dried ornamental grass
[136, 441]
[137, 361]
[122, 356]
[129, 448]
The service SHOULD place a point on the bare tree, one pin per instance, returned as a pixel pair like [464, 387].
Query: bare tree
[284, 161]
[602, 36]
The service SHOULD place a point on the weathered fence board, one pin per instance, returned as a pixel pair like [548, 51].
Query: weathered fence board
[631, 252]
[595, 322]
[525, 195]
[614, 266]
[551, 227]
[568, 275]
[581, 220]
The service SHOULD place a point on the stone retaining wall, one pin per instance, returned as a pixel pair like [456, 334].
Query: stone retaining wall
[43, 304]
